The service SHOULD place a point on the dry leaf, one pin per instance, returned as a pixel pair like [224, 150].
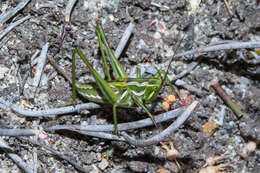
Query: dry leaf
[160, 170]
[209, 127]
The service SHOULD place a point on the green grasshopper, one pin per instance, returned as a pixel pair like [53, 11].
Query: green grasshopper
[122, 92]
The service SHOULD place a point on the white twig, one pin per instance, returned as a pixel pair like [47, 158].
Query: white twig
[191, 88]
[40, 66]
[12, 25]
[48, 4]
[9, 14]
[9, 151]
[122, 126]
[49, 112]
[164, 134]
[233, 45]
[187, 70]
[68, 10]
[35, 156]
[124, 40]
[18, 132]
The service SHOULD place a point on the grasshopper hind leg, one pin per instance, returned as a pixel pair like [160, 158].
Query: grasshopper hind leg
[140, 103]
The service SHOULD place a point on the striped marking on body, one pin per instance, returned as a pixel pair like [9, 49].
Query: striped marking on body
[91, 96]
[122, 97]
[138, 93]
[137, 84]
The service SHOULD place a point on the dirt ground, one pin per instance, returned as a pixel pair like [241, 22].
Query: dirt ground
[159, 26]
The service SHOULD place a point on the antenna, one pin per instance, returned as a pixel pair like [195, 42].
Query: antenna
[175, 50]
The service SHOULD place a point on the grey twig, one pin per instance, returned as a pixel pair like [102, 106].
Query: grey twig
[35, 156]
[122, 126]
[49, 112]
[124, 40]
[102, 135]
[48, 4]
[187, 70]
[232, 45]
[164, 134]
[9, 151]
[68, 10]
[40, 66]
[18, 132]
[12, 25]
[62, 156]
[191, 88]
[9, 14]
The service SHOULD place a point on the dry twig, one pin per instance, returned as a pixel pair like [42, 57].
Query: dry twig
[225, 46]
[39, 68]
[9, 14]
[235, 108]
[47, 113]
[121, 126]
[12, 25]
[68, 10]
[124, 39]
[164, 134]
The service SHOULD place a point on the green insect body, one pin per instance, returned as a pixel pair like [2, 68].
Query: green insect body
[122, 92]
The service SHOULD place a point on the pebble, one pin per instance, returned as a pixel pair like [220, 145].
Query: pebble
[157, 35]
[94, 169]
[90, 158]
[244, 80]
[103, 164]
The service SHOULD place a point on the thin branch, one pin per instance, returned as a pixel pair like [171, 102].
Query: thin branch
[12, 25]
[53, 63]
[101, 135]
[124, 40]
[222, 93]
[191, 88]
[9, 14]
[17, 159]
[48, 4]
[40, 66]
[68, 10]
[18, 132]
[35, 156]
[48, 112]
[122, 126]
[233, 45]
[228, 8]
[187, 70]
[164, 134]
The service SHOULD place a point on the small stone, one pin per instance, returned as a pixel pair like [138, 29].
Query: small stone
[3, 71]
[157, 150]
[157, 35]
[141, 44]
[94, 169]
[103, 164]
[89, 158]
[244, 80]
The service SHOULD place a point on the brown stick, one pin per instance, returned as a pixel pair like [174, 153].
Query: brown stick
[222, 93]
